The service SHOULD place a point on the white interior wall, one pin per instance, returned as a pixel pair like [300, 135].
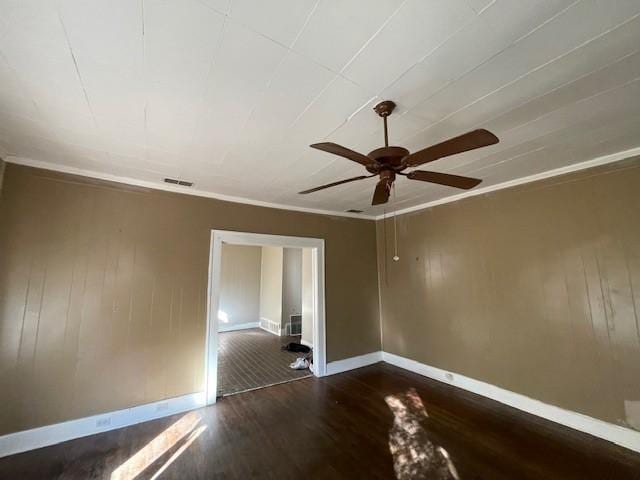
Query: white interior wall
[263, 286]
[239, 287]
[271, 289]
[291, 283]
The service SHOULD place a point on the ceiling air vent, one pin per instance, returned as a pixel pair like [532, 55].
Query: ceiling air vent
[353, 210]
[175, 181]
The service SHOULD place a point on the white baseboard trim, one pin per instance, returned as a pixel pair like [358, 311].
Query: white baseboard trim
[61, 432]
[270, 326]
[624, 437]
[340, 366]
[238, 326]
[277, 334]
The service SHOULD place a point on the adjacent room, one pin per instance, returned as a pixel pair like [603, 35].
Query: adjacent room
[265, 327]
[325, 239]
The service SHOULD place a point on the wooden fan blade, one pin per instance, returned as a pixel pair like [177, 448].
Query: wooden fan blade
[340, 182]
[381, 193]
[444, 179]
[463, 143]
[344, 152]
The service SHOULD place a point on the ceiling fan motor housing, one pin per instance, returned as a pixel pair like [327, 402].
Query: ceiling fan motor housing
[388, 158]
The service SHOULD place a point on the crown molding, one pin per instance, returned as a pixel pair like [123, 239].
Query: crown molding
[595, 162]
[603, 160]
[28, 162]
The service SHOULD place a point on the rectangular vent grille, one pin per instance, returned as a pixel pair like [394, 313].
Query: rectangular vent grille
[294, 327]
[175, 181]
[353, 210]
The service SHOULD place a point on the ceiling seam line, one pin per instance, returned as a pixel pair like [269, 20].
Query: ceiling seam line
[275, 71]
[491, 57]
[520, 105]
[533, 70]
[548, 92]
[145, 82]
[601, 92]
[375, 34]
[304, 25]
[77, 68]
[209, 76]
[555, 172]
[555, 132]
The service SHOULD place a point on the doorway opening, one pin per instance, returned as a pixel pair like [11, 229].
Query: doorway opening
[265, 292]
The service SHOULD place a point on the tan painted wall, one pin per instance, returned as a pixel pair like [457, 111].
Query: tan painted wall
[307, 296]
[291, 283]
[271, 284]
[2, 168]
[535, 289]
[103, 291]
[240, 284]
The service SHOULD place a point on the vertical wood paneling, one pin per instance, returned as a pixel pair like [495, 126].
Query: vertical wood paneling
[533, 288]
[103, 291]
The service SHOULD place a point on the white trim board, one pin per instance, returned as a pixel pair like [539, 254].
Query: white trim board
[624, 437]
[603, 160]
[61, 432]
[272, 326]
[218, 237]
[277, 334]
[352, 363]
[160, 185]
[595, 162]
[82, 427]
[238, 326]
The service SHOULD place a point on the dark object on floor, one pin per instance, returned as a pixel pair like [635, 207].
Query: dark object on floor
[252, 358]
[296, 347]
[344, 425]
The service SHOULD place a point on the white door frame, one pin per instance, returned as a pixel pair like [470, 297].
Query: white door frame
[218, 237]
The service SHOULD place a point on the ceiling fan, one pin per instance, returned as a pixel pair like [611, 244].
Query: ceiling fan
[387, 162]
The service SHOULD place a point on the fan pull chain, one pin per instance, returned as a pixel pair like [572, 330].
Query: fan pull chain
[395, 227]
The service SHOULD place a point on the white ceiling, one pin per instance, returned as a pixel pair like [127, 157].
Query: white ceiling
[230, 93]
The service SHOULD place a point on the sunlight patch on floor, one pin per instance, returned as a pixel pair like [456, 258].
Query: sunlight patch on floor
[186, 427]
[414, 454]
[195, 434]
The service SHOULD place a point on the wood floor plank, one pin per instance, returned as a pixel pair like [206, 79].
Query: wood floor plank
[340, 427]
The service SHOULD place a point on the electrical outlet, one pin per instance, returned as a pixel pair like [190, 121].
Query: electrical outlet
[449, 376]
[103, 422]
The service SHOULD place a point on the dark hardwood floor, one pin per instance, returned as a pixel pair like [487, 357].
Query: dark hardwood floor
[359, 424]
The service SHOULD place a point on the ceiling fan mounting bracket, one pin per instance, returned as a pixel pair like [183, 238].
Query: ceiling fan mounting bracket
[385, 108]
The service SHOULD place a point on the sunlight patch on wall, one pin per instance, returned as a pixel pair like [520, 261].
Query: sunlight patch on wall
[632, 413]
